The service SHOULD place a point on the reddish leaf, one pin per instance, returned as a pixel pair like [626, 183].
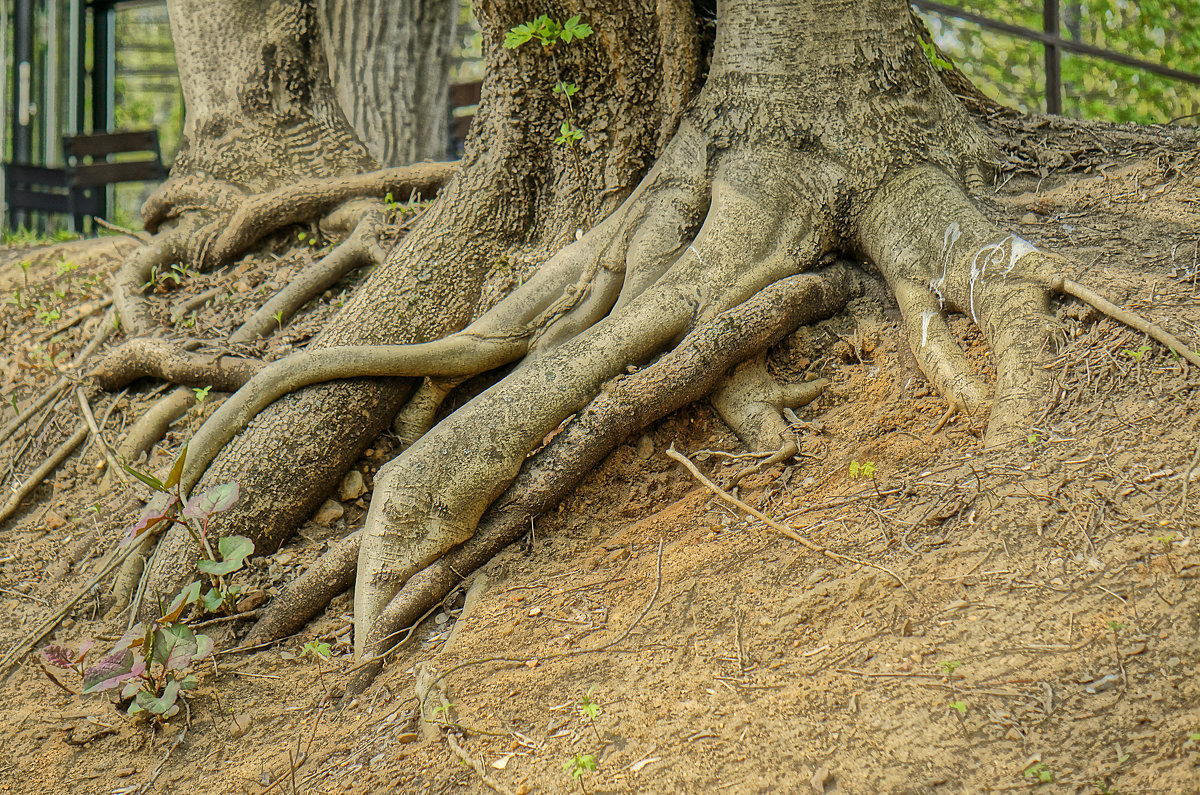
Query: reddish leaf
[59, 656]
[217, 499]
[161, 507]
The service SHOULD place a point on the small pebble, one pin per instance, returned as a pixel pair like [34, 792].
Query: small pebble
[329, 513]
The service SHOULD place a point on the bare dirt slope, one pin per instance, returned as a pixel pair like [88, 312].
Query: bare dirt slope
[1022, 618]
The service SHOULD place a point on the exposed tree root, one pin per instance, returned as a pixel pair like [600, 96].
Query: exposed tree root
[44, 469]
[48, 396]
[626, 405]
[418, 415]
[360, 248]
[260, 215]
[150, 427]
[751, 403]
[166, 247]
[1121, 315]
[151, 357]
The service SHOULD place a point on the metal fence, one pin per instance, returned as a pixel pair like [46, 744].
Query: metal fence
[1055, 45]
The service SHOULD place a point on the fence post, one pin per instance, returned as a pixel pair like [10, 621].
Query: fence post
[1053, 58]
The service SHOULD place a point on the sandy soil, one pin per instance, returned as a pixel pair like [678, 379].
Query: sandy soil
[1021, 618]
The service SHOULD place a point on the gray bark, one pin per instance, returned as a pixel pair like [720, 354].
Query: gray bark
[261, 111]
[389, 63]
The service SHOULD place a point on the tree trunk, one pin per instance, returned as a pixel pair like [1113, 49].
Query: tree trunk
[389, 62]
[260, 108]
[519, 197]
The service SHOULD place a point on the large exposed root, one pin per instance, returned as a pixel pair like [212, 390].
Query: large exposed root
[751, 403]
[150, 357]
[624, 406]
[940, 253]
[260, 215]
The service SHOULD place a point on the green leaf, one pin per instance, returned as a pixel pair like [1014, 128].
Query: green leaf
[189, 682]
[149, 480]
[187, 596]
[213, 600]
[176, 469]
[218, 568]
[235, 548]
[159, 705]
[112, 671]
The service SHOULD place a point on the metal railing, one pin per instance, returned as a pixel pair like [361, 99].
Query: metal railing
[1054, 45]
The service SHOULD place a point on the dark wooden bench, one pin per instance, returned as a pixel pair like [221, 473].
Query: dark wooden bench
[463, 96]
[79, 188]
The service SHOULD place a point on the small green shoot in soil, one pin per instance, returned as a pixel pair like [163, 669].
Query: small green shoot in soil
[865, 470]
[579, 766]
[1040, 772]
[1137, 353]
[589, 710]
[316, 649]
[279, 319]
[201, 393]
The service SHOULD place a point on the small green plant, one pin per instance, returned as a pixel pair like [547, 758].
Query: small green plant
[1033, 437]
[589, 710]
[201, 393]
[1137, 353]
[279, 319]
[47, 315]
[65, 266]
[938, 62]
[959, 706]
[316, 649]
[550, 33]
[950, 666]
[151, 664]
[865, 470]
[194, 515]
[1040, 772]
[24, 265]
[579, 766]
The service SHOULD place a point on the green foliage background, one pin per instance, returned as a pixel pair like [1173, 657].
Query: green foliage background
[1012, 70]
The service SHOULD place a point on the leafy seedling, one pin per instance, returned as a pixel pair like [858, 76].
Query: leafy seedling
[1040, 772]
[865, 470]
[1137, 353]
[579, 766]
[589, 710]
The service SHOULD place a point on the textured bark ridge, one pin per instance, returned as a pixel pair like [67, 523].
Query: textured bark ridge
[516, 190]
[261, 111]
[389, 62]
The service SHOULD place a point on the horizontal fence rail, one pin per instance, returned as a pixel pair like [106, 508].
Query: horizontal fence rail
[1054, 44]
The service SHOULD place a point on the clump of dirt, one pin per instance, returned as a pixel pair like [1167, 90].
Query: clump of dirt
[1021, 617]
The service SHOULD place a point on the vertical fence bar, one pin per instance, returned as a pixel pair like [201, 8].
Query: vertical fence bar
[1053, 58]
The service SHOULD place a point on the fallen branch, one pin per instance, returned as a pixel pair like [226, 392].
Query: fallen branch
[38, 475]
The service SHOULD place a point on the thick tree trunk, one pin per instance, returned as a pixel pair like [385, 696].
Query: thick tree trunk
[260, 108]
[389, 63]
[520, 196]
